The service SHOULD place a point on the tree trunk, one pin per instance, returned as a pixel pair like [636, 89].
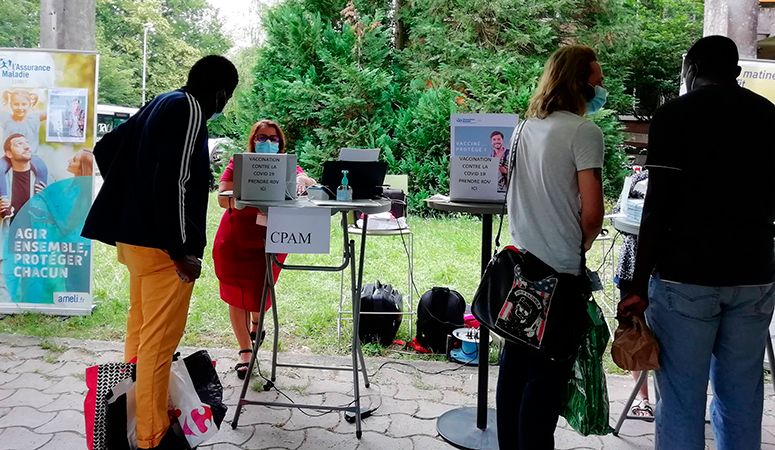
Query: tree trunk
[736, 19]
[68, 24]
[400, 30]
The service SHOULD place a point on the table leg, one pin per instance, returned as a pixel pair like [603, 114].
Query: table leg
[626, 411]
[771, 358]
[484, 333]
[359, 288]
[276, 331]
[254, 355]
[457, 426]
[356, 299]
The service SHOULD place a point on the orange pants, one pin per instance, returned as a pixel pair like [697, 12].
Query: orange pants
[157, 317]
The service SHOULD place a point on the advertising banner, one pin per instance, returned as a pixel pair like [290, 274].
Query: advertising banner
[47, 132]
[758, 76]
[479, 156]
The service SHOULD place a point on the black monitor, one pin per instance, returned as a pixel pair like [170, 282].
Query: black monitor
[364, 177]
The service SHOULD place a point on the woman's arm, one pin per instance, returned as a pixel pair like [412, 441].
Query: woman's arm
[591, 190]
[225, 202]
[303, 181]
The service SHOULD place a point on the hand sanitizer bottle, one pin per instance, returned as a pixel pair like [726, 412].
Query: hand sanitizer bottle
[344, 193]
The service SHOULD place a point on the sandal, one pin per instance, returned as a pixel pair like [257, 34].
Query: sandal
[242, 367]
[642, 408]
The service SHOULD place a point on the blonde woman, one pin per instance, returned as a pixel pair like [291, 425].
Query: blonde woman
[555, 205]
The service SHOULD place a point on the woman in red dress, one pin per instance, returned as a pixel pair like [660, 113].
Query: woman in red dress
[238, 250]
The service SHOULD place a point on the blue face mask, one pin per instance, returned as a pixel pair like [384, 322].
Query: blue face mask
[597, 102]
[267, 147]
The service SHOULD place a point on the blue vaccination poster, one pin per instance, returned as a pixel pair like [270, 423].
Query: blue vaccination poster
[479, 156]
[47, 132]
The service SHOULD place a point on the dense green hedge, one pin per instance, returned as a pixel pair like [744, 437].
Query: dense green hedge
[331, 73]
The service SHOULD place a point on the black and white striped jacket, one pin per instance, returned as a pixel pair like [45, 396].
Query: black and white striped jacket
[156, 171]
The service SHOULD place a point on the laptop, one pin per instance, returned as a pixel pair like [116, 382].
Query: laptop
[364, 177]
[358, 154]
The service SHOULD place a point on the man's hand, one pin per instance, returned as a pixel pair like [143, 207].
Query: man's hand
[39, 187]
[188, 268]
[632, 305]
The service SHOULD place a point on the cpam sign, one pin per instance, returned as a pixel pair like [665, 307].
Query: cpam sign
[298, 230]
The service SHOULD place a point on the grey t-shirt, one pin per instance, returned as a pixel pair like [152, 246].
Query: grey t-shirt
[544, 205]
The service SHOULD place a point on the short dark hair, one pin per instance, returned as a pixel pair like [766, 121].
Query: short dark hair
[715, 57]
[7, 143]
[212, 73]
[495, 133]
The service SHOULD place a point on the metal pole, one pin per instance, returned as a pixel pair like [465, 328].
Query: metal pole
[484, 333]
[145, 58]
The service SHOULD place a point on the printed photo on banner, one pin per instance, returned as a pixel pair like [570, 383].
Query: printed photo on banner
[23, 171]
[67, 109]
[486, 142]
[23, 112]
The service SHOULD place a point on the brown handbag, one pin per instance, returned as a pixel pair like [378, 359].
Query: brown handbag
[635, 347]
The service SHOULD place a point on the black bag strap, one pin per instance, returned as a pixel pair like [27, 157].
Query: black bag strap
[512, 166]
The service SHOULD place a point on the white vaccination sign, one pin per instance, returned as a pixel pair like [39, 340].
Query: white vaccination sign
[298, 230]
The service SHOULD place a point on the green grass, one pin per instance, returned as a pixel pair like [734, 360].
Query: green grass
[446, 253]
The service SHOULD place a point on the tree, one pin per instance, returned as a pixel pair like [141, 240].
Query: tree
[328, 82]
[21, 23]
[173, 45]
[197, 24]
[340, 74]
[641, 43]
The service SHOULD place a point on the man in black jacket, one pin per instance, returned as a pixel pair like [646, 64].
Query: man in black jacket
[159, 157]
[705, 264]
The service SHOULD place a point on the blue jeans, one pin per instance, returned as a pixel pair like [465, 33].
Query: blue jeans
[704, 330]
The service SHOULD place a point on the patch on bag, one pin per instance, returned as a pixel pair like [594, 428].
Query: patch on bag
[523, 315]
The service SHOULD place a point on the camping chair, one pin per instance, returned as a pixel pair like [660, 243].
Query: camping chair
[406, 240]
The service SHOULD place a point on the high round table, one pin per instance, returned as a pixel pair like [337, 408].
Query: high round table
[473, 427]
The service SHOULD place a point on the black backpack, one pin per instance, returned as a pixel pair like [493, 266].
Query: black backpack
[382, 328]
[439, 312]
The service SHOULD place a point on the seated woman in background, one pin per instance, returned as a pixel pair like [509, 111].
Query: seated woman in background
[238, 250]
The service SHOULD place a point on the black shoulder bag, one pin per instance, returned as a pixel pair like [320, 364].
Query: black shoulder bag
[525, 301]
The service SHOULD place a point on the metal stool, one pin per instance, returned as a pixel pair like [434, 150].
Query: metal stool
[407, 240]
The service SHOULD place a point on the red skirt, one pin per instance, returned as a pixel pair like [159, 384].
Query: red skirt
[238, 256]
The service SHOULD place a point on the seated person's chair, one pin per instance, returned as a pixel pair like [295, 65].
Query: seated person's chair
[407, 241]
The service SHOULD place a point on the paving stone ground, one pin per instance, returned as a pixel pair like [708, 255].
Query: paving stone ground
[42, 389]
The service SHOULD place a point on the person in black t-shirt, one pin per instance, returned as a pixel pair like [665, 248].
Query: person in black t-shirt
[705, 263]
[21, 179]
